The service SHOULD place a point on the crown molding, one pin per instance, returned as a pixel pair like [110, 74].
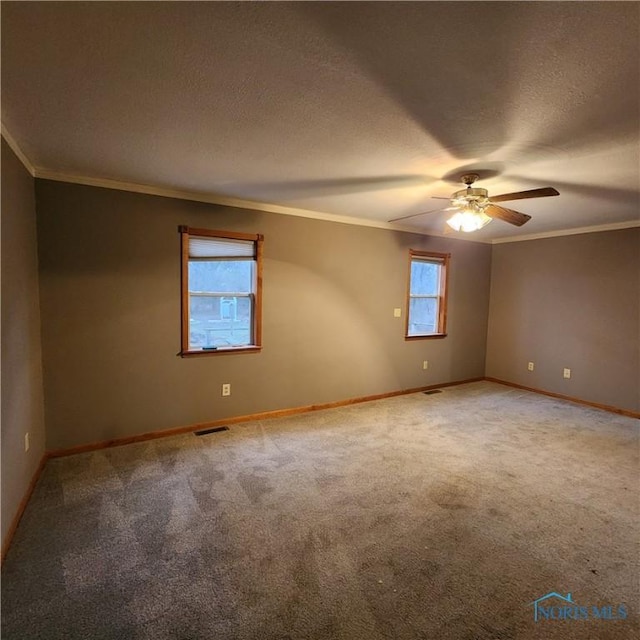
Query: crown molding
[599, 228]
[28, 165]
[213, 198]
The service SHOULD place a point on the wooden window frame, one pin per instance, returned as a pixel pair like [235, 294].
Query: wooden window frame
[185, 234]
[443, 259]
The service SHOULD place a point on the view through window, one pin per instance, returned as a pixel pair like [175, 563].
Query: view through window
[220, 290]
[427, 298]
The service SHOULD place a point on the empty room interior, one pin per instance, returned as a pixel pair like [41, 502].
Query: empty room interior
[320, 320]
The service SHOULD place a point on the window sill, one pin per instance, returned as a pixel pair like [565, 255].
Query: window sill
[426, 336]
[252, 348]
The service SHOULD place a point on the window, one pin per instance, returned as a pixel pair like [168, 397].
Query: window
[221, 282]
[427, 295]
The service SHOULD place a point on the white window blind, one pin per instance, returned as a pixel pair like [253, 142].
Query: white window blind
[203, 247]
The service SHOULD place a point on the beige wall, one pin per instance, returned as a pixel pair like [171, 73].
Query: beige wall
[22, 403]
[110, 301]
[569, 302]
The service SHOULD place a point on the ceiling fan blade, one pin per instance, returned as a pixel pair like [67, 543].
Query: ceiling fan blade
[522, 195]
[422, 213]
[507, 215]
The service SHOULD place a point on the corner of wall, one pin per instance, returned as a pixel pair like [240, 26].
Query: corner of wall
[22, 380]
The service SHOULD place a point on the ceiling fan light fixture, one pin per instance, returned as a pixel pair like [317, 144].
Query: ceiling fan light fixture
[468, 220]
[471, 203]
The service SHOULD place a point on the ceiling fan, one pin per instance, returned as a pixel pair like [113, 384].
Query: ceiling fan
[474, 208]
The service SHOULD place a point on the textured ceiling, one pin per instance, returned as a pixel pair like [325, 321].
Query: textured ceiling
[364, 109]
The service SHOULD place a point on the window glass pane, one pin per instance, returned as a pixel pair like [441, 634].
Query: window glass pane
[219, 321]
[425, 277]
[221, 276]
[423, 316]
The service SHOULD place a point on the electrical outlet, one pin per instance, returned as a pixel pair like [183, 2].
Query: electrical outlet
[397, 312]
[226, 389]
[425, 364]
[566, 373]
[27, 444]
[530, 366]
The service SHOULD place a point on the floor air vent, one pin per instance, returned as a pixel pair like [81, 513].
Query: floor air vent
[431, 392]
[206, 432]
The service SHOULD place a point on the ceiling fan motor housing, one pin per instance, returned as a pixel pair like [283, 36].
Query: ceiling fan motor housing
[465, 197]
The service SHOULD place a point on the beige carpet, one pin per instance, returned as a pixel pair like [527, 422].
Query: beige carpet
[418, 517]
